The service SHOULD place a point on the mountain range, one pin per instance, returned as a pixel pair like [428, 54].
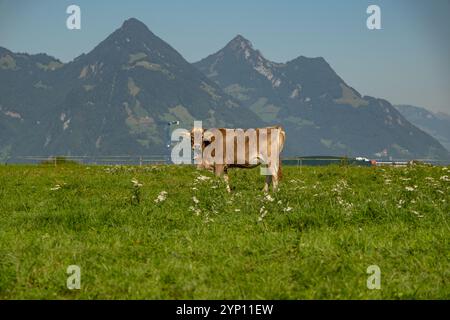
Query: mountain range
[436, 124]
[118, 99]
[315, 105]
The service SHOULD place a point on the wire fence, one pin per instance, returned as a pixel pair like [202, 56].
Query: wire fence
[93, 160]
[165, 159]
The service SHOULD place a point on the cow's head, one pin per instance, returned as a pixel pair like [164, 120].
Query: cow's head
[200, 139]
[204, 138]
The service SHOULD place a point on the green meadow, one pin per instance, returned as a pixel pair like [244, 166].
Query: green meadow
[173, 232]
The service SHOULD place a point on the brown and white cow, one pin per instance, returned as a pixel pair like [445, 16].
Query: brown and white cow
[219, 149]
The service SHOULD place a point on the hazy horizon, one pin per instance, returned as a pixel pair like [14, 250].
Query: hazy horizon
[405, 63]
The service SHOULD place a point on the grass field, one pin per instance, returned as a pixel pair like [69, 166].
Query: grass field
[314, 239]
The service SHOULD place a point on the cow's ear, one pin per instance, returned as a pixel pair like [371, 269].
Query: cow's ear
[207, 136]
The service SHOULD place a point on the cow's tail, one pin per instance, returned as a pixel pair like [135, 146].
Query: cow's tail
[280, 172]
[282, 137]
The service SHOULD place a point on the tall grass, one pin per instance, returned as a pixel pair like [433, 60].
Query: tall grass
[180, 235]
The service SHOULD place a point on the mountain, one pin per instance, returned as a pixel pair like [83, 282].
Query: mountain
[435, 124]
[27, 98]
[116, 99]
[319, 110]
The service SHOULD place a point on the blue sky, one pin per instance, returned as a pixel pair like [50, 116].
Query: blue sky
[405, 62]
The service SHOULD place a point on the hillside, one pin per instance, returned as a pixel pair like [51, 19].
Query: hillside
[116, 99]
[436, 124]
[317, 107]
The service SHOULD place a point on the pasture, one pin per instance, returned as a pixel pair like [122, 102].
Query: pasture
[174, 233]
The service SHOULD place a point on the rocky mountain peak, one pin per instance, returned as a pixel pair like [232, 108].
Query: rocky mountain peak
[243, 48]
[134, 25]
[240, 43]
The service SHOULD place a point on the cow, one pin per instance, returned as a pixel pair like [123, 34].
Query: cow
[251, 148]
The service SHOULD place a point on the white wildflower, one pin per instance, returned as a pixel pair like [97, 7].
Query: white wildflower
[56, 187]
[202, 178]
[161, 197]
[208, 219]
[261, 217]
[136, 183]
[287, 209]
[196, 211]
[194, 198]
[269, 198]
[409, 189]
[262, 213]
[417, 214]
[444, 178]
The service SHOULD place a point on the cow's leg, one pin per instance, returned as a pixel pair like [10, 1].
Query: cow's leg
[275, 182]
[218, 169]
[267, 183]
[222, 170]
[227, 180]
[276, 177]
